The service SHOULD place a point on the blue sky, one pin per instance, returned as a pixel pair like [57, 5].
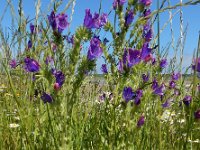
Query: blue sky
[190, 17]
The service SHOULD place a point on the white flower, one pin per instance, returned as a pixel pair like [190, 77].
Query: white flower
[14, 125]
[181, 120]
[195, 141]
[167, 116]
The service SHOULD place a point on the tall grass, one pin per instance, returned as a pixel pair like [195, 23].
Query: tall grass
[88, 111]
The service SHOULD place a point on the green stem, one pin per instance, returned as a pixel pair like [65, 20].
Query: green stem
[50, 123]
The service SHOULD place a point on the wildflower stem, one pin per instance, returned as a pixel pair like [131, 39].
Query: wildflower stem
[52, 131]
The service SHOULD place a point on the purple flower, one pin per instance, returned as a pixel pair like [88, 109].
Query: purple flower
[53, 71]
[117, 3]
[187, 100]
[160, 90]
[29, 44]
[70, 39]
[52, 20]
[104, 68]
[145, 77]
[133, 57]
[123, 61]
[60, 78]
[48, 60]
[31, 65]
[58, 22]
[139, 94]
[175, 76]
[147, 12]
[95, 49]
[103, 19]
[146, 2]
[46, 98]
[146, 51]
[129, 17]
[167, 103]
[95, 21]
[147, 32]
[88, 19]
[148, 35]
[62, 21]
[146, 27]
[196, 65]
[32, 28]
[137, 101]
[102, 97]
[163, 63]
[141, 121]
[154, 84]
[128, 94]
[197, 114]
[172, 84]
[13, 63]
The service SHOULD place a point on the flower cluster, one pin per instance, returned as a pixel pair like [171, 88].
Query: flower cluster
[47, 98]
[95, 21]
[132, 57]
[31, 65]
[118, 3]
[58, 22]
[174, 78]
[128, 95]
[13, 63]
[145, 77]
[60, 79]
[141, 121]
[129, 17]
[147, 32]
[95, 49]
[104, 68]
[187, 100]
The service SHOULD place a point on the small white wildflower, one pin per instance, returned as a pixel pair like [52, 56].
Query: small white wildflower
[14, 125]
[181, 121]
[167, 116]
[124, 125]
[187, 85]
[17, 118]
[195, 141]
